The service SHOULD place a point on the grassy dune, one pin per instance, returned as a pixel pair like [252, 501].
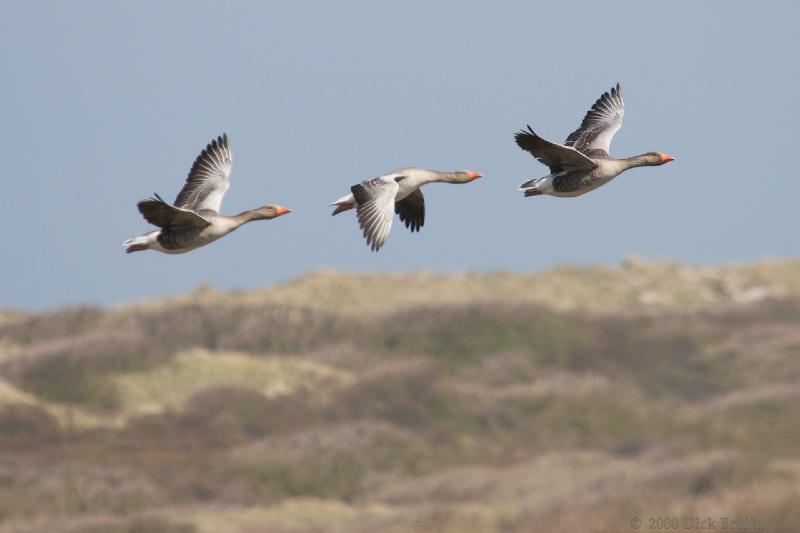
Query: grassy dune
[572, 400]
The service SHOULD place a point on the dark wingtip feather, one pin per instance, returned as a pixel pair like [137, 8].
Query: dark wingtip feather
[360, 193]
[521, 135]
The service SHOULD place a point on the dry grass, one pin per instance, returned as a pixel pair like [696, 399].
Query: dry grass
[570, 400]
[636, 286]
[169, 386]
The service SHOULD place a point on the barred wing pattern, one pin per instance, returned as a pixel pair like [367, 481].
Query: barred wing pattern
[600, 124]
[208, 178]
[375, 209]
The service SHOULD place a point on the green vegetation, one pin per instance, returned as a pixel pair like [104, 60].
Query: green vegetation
[571, 400]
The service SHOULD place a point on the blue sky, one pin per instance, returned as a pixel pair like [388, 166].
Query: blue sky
[107, 102]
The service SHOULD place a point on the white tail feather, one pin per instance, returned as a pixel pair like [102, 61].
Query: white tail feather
[344, 203]
[347, 199]
[137, 244]
[545, 184]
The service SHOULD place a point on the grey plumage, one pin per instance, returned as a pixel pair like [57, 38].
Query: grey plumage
[555, 156]
[581, 180]
[195, 220]
[583, 162]
[377, 199]
[159, 213]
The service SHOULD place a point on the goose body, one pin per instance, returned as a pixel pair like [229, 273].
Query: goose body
[377, 199]
[194, 220]
[583, 163]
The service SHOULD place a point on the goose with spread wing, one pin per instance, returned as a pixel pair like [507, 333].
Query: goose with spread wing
[582, 163]
[377, 199]
[194, 220]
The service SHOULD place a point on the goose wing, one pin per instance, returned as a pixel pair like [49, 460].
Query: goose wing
[209, 178]
[411, 210]
[159, 213]
[375, 207]
[600, 124]
[555, 156]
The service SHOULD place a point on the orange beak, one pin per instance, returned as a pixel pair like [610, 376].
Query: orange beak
[666, 158]
[474, 175]
[283, 210]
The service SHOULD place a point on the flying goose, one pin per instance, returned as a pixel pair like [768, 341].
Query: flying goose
[376, 199]
[194, 220]
[582, 163]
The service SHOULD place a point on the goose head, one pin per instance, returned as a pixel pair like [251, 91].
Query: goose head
[465, 176]
[658, 158]
[270, 211]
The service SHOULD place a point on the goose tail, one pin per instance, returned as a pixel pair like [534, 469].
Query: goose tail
[345, 203]
[538, 186]
[136, 244]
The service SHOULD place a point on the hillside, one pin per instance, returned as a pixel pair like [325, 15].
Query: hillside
[570, 400]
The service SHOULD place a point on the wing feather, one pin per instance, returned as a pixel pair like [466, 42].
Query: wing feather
[411, 210]
[209, 177]
[555, 156]
[159, 213]
[375, 199]
[600, 124]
